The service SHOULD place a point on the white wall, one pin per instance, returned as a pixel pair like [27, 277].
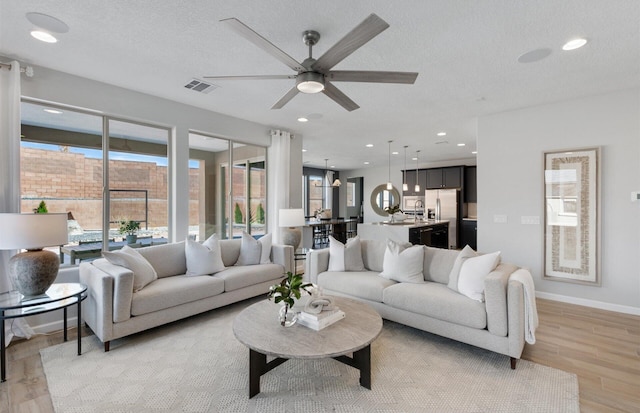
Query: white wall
[63, 88]
[510, 147]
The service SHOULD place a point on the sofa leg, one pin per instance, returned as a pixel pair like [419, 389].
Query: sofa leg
[106, 347]
[513, 363]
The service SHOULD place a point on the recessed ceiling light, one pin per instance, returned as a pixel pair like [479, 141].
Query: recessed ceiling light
[475, 152]
[304, 150]
[442, 133]
[461, 144]
[55, 112]
[332, 166]
[303, 119]
[394, 153]
[534, 55]
[369, 145]
[414, 159]
[574, 44]
[49, 23]
[366, 162]
[43, 36]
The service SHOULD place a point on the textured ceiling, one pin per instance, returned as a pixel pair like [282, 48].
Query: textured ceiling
[465, 51]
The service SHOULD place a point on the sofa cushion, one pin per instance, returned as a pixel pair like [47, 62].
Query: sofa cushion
[172, 291]
[166, 259]
[373, 254]
[438, 263]
[205, 258]
[366, 284]
[127, 257]
[473, 273]
[345, 257]
[437, 301]
[254, 251]
[403, 262]
[237, 277]
[467, 252]
[230, 250]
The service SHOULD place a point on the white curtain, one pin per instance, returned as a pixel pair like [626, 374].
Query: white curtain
[10, 175]
[279, 158]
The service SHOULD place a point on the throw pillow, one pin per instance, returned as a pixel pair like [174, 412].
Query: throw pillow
[205, 258]
[403, 262]
[473, 272]
[467, 252]
[345, 257]
[127, 257]
[254, 251]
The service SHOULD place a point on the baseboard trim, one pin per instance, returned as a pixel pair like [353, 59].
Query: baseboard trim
[55, 326]
[589, 303]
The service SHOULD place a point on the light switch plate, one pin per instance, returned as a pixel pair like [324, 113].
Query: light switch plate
[635, 196]
[530, 220]
[500, 219]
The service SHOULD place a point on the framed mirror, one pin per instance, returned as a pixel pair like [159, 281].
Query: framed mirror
[382, 198]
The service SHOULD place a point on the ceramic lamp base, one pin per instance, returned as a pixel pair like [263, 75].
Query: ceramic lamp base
[291, 236]
[33, 272]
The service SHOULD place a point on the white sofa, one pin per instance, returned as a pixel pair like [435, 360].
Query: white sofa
[113, 310]
[497, 324]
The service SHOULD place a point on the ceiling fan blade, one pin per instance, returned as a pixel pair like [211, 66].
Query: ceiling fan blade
[361, 34]
[339, 97]
[286, 98]
[256, 77]
[248, 33]
[372, 76]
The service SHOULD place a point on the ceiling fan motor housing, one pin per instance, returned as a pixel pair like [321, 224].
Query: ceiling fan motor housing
[310, 82]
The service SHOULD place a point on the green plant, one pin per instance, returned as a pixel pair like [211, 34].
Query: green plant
[260, 214]
[129, 227]
[237, 214]
[392, 209]
[288, 290]
[42, 208]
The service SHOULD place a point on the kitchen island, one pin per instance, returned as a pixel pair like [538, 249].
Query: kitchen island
[432, 233]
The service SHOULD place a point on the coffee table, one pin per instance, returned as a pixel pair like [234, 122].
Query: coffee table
[257, 327]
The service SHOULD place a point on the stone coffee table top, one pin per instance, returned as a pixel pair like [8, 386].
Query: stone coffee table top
[258, 328]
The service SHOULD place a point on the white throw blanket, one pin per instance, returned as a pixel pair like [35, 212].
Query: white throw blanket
[523, 276]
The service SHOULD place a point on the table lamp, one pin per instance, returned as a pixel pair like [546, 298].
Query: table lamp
[32, 272]
[290, 220]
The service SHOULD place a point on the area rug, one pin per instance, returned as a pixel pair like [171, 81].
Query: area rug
[197, 365]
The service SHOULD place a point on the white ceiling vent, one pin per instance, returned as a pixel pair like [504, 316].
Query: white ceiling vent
[200, 86]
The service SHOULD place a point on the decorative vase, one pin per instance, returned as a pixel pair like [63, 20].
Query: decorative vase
[286, 317]
[131, 239]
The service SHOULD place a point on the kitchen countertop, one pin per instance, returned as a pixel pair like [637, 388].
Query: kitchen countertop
[409, 223]
[470, 219]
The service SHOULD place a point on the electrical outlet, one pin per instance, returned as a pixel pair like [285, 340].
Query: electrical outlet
[530, 220]
[500, 219]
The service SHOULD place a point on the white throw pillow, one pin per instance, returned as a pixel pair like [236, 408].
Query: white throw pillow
[466, 253]
[254, 251]
[205, 258]
[345, 257]
[143, 272]
[473, 272]
[403, 262]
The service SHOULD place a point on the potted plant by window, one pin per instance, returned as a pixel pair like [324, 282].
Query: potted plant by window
[287, 292]
[130, 228]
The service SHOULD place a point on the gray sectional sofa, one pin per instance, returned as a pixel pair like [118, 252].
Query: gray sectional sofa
[113, 310]
[497, 324]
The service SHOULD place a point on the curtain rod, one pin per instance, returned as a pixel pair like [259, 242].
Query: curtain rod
[28, 70]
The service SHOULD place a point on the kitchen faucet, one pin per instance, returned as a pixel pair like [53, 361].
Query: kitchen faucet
[415, 209]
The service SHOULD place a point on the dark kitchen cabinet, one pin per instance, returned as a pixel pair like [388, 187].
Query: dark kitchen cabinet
[436, 236]
[439, 178]
[469, 233]
[470, 184]
[410, 179]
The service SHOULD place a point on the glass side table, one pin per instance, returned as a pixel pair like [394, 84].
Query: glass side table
[58, 296]
[299, 255]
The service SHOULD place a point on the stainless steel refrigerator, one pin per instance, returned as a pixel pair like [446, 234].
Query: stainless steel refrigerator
[444, 204]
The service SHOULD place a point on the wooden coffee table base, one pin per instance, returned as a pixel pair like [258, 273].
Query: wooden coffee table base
[258, 366]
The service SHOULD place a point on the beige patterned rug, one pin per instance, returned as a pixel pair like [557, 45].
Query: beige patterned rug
[197, 365]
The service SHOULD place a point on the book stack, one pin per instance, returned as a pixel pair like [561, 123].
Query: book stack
[321, 320]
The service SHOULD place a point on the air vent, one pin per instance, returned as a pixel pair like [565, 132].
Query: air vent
[442, 142]
[200, 86]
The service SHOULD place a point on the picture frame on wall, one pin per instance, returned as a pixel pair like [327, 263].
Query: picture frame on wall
[572, 230]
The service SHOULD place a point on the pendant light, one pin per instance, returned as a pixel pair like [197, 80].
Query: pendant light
[336, 183]
[389, 184]
[405, 185]
[417, 187]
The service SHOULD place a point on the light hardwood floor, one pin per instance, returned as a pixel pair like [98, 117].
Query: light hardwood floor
[601, 347]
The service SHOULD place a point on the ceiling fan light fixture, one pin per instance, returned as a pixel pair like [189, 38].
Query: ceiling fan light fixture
[310, 82]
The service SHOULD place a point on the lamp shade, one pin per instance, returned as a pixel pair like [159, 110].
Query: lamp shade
[291, 217]
[32, 231]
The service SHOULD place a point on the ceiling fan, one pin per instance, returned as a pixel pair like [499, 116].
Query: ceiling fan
[315, 75]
